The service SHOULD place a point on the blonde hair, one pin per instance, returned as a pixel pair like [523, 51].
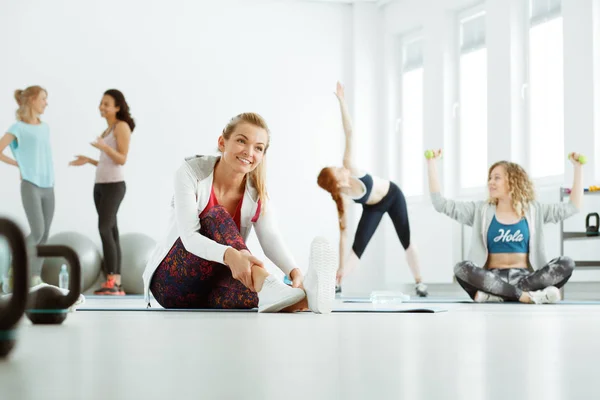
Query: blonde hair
[258, 176]
[520, 187]
[24, 99]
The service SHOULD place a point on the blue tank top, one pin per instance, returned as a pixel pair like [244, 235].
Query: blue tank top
[367, 181]
[503, 238]
[33, 153]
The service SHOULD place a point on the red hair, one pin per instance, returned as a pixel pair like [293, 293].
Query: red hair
[327, 181]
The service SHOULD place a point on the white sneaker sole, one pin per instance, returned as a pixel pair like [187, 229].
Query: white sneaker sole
[290, 300]
[323, 266]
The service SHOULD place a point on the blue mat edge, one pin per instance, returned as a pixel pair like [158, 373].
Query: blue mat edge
[350, 300]
[418, 310]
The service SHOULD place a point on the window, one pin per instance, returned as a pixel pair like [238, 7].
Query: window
[546, 94]
[473, 101]
[412, 117]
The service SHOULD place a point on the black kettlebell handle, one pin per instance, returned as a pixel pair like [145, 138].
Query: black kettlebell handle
[587, 220]
[75, 270]
[12, 313]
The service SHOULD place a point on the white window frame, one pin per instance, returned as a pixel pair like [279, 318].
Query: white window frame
[413, 36]
[549, 181]
[474, 192]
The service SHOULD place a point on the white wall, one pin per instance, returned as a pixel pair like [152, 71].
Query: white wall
[438, 238]
[186, 67]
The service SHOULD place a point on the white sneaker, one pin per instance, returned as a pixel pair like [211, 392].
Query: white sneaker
[275, 295]
[545, 296]
[320, 278]
[483, 297]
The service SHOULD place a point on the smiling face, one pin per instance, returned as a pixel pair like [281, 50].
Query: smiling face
[245, 148]
[498, 183]
[107, 107]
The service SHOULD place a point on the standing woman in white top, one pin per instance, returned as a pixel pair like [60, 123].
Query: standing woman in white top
[29, 141]
[109, 189]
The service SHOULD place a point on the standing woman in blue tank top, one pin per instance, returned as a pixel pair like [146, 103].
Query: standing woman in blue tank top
[109, 189]
[29, 141]
[377, 196]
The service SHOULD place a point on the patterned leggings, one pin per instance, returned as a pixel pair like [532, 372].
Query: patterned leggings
[184, 280]
[510, 283]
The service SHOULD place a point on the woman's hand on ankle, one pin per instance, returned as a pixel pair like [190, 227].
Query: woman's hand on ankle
[297, 278]
[240, 263]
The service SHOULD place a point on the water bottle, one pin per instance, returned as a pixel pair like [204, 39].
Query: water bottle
[388, 297]
[63, 277]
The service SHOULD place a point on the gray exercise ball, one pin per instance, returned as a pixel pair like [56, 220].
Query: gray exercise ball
[89, 257]
[136, 249]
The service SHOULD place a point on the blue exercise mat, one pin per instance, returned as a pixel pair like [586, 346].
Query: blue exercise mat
[338, 310]
[429, 300]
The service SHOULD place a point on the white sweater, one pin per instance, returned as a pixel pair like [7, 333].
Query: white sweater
[193, 183]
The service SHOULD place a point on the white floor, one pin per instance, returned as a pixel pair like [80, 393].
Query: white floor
[473, 351]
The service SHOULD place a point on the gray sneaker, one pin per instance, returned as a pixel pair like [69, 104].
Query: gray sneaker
[421, 290]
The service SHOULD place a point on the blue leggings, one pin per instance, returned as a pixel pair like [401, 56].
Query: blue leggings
[394, 204]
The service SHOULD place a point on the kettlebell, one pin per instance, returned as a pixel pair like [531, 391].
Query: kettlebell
[12, 311]
[592, 230]
[48, 305]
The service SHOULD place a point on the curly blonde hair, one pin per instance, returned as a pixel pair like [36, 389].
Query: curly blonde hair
[520, 187]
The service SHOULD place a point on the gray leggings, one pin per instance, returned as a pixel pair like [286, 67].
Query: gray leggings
[510, 283]
[39, 208]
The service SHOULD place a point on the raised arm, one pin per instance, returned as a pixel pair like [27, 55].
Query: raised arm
[434, 183]
[347, 123]
[553, 213]
[123, 135]
[577, 188]
[461, 211]
[5, 141]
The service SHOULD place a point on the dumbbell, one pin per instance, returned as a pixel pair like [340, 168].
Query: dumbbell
[11, 312]
[582, 159]
[429, 154]
[48, 305]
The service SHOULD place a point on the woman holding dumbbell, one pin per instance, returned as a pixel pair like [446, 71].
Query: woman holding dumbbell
[507, 261]
[377, 197]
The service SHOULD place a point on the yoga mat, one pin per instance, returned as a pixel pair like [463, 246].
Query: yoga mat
[364, 300]
[338, 310]
[105, 297]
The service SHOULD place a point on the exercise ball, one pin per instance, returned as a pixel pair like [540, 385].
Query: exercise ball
[89, 257]
[136, 249]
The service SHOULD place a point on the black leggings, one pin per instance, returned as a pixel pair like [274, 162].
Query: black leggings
[394, 204]
[108, 198]
[510, 283]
